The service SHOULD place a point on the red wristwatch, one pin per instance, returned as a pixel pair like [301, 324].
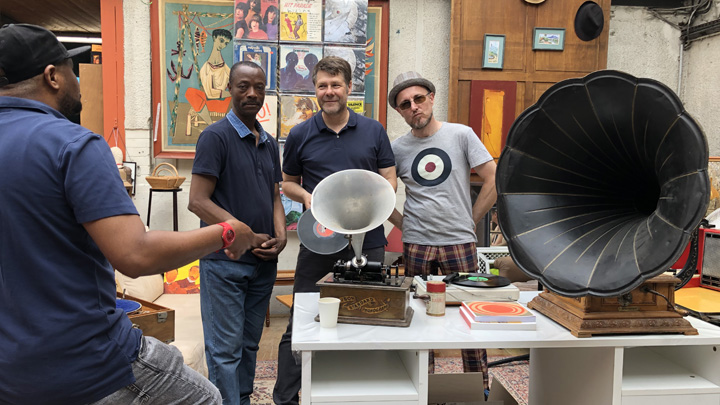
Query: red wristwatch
[228, 235]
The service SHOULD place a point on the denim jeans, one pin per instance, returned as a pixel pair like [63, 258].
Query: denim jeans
[310, 268]
[161, 377]
[234, 298]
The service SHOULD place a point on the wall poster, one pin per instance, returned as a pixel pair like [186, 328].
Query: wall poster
[194, 42]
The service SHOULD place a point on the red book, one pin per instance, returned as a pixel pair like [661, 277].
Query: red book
[497, 311]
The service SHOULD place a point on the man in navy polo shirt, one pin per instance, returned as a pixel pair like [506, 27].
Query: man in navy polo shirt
[236, 174]
[337, 139]
[66, 221]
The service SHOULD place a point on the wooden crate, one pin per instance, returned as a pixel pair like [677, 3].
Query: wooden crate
[154, 320]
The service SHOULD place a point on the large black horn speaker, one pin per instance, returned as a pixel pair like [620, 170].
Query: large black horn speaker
[601, 183]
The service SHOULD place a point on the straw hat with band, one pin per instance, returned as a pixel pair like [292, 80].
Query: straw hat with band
[405, 80]
[25, 51]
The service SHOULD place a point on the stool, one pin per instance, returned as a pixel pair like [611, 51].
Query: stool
[284, 277]
[175, 213]
[286, 300]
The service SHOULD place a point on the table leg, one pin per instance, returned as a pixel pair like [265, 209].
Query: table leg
[149, 207]
[175, 213]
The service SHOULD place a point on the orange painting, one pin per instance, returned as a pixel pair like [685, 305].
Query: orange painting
[183, 280]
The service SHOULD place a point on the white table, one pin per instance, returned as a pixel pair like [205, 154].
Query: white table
[363, 364]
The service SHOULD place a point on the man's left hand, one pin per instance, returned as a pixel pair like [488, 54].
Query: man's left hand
[270, 249]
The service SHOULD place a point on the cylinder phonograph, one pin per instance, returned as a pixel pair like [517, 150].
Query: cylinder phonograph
[351, 203]
[600, 186]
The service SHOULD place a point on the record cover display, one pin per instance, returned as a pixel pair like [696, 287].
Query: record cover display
[497, 311]
[293, 211]
[267, 116]
[356, 58]
[295, 109]
[264, 56]
[257, 20]
[346, 21]
[301, 20]
[296, 66]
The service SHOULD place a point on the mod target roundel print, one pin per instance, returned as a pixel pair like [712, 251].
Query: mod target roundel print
[431, 167]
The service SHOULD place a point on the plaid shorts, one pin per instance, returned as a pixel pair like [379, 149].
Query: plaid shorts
[424, 259]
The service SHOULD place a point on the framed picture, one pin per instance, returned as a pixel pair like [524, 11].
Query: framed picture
[133, 173]
[493, 51]
[549, 39]
[192, 50]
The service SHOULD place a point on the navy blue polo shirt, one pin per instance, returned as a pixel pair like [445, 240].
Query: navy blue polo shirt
[61, 338]
[314, 151]
[246, 174]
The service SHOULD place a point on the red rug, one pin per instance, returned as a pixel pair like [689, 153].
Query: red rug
[513, 376]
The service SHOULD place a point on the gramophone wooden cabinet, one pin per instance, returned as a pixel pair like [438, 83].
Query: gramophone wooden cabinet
[362, 364]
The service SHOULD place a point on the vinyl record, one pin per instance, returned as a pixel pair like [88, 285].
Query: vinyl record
[317, 238]
[431, 167]
[481, 280]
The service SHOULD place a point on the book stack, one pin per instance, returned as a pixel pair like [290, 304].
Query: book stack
[492, 315]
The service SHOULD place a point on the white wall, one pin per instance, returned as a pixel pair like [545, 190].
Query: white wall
[639, 44]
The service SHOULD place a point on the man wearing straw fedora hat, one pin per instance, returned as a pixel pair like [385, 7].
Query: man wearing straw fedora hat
[438, 221]
[67, 221]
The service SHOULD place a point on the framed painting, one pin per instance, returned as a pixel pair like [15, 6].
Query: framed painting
[192, 55]
[493, 51]
[549, 39]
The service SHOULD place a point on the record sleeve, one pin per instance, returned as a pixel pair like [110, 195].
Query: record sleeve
[346, 21]
[498, 311]
[356, 58]
[257, 20]
[267, 116]
[301, 20]
[474, 325]
[357, 104]
[295, 109]
[264, 56]
[296, 66]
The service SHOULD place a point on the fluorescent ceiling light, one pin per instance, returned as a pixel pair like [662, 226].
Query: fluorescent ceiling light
[80, 40]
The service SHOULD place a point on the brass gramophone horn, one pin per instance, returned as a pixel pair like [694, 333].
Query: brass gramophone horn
[601, 183]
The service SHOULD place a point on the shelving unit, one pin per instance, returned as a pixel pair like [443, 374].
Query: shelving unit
[362, 364]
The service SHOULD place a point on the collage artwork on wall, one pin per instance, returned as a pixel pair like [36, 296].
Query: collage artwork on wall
[200, 40]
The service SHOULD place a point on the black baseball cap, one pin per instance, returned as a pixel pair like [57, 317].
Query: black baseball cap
[25, 51]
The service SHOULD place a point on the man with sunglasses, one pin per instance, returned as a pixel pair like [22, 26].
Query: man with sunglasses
[438, 221]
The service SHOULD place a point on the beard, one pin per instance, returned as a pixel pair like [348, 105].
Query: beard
[420, 124]
[70, 107]
[335, 108]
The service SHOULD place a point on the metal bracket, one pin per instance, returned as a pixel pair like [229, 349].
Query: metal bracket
[162, 317]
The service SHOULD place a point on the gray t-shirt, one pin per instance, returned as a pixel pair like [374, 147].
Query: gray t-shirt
[436, 173]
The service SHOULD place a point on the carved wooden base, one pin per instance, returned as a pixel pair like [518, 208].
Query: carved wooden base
[370, 304]
[638, 312]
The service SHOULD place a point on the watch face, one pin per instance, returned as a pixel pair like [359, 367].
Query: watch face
[230, 235]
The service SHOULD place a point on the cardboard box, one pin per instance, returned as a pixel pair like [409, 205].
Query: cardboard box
[153, 319]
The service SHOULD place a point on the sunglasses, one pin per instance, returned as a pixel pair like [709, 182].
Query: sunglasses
[419, 99]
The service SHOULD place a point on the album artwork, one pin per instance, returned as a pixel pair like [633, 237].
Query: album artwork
[267, 116]
[346, 21]
[293, 211]
[301, 20]
[296, 66]
[257, 20]
[357, 104]
[295, 109]
[356, 59]
[264, 56]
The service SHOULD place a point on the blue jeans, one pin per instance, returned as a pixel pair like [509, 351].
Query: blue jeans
[234, 297]
[161, 377]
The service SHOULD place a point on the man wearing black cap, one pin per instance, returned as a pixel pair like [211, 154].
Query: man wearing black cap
[66, 221]
[438, 221]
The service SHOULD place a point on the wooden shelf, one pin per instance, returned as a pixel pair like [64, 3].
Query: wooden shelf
[349, 376]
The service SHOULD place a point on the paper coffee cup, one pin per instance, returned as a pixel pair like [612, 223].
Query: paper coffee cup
[328, 308]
